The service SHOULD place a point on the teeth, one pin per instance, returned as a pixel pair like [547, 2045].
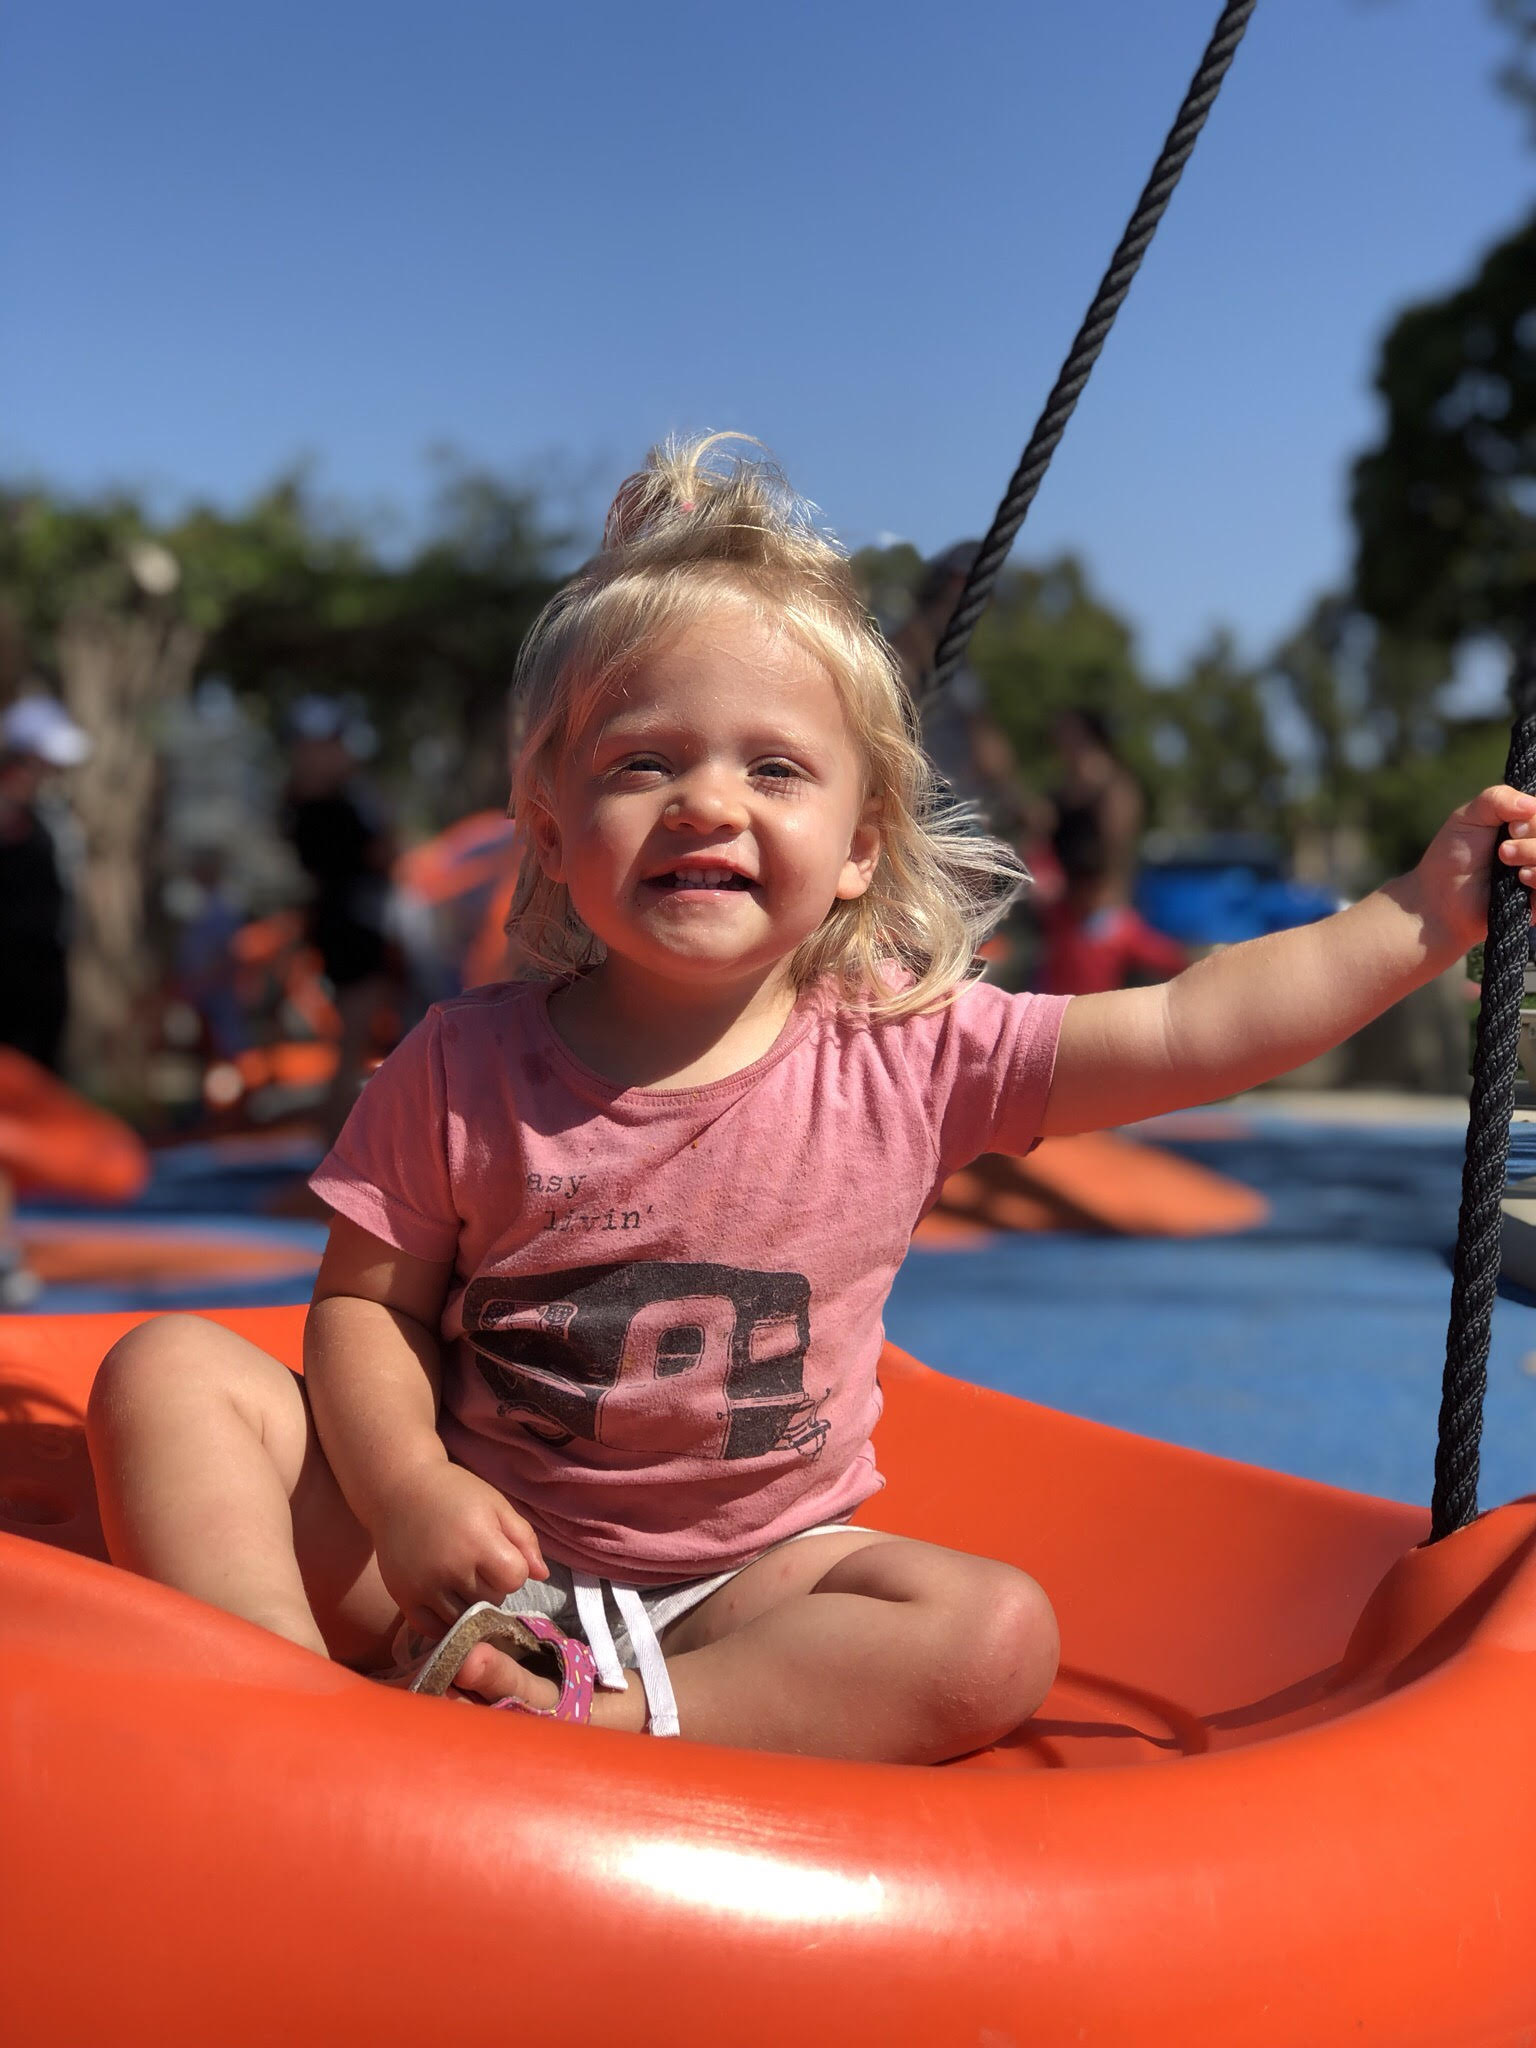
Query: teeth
[703, 878]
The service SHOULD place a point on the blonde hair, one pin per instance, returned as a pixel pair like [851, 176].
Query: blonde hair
[702, 526]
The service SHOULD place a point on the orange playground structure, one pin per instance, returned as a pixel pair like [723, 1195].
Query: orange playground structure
[1281, 1793]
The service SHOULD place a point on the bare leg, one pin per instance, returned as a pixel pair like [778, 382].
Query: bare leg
[212, 1480]
[851, 1645]
[854, 1645]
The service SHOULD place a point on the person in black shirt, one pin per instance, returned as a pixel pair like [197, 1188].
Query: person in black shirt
[37, 738]
[343, 842]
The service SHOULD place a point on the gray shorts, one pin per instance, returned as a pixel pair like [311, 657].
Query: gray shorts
[556, 1597]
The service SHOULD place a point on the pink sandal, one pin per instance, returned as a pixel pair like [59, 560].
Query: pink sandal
[534, 1640]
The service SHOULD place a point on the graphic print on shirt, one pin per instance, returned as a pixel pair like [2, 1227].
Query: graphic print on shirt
[659, 1359]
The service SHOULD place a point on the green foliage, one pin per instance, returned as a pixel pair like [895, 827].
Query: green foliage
[1518, 74]
[56, 558]
[1445, 520]
[1403, 805]
[292, 597]
[1049, 644]
[1445, 506]
[1222, 768]
[889, 578]
[427, 643]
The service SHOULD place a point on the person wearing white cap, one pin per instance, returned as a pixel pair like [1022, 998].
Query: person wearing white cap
[38, 728]
[37, 739]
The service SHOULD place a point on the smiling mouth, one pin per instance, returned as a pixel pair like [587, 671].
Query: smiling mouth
[700, 878]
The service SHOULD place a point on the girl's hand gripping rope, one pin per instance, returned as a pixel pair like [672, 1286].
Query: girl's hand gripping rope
[1452, 877]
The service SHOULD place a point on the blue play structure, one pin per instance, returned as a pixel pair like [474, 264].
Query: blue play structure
[1228, 886]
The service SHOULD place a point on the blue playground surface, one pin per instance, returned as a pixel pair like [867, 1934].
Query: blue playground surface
[1313, 1344]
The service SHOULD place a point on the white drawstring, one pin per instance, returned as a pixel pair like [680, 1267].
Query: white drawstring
[660, 1700]
[592, 1613]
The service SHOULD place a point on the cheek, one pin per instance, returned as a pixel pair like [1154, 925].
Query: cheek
[597, 825]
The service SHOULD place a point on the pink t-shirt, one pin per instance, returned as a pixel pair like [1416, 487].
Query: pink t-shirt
[664, 1322]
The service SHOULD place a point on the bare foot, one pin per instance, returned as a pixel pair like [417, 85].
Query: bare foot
[490, 1674]
[486, 1675]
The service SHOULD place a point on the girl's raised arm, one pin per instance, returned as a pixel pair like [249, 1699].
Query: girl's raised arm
[1253, 1011]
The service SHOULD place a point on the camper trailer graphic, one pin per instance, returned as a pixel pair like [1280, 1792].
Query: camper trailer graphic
[658, 1359]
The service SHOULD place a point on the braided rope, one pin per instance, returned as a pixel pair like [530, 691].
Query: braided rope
[1475, 1276]
[1091, 337]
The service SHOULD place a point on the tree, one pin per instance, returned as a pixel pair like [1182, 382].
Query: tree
[1050, 644]
[1203, 750]
[427, 643]
[1222, 770]
[280, 598]
[1518, 76]
[1445, 505]
[89, 590]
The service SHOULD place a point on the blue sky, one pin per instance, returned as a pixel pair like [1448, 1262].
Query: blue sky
[234, 236]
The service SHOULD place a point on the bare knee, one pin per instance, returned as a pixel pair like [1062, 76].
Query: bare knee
[138, 1365]
[1003, 1647]
[168, 1365]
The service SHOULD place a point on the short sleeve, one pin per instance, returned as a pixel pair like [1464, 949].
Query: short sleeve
[388, 1172]
[993, 1064]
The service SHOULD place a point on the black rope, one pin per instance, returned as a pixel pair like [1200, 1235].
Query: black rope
[1091, 337]
[1475, 1276]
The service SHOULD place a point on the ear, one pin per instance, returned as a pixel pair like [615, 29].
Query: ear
[544, 838]
[863, 854]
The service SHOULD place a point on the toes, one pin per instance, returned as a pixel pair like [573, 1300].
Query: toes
[490, 1674]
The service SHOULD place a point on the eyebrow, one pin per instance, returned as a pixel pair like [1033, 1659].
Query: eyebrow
[636, 726]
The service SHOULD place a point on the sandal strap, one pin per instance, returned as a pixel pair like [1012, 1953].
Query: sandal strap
[578, 1674]
[482, 1623]
[519, 1634]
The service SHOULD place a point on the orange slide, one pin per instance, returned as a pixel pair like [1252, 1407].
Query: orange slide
[1282, 1793]
[1099, 1180]
[52, 1141]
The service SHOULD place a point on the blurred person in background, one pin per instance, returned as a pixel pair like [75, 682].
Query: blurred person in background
[206, 977]
[39, 855]
[39, 851]
[1092, 824]
[343, 841]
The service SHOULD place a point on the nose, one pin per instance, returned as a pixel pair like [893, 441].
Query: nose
[708, 800]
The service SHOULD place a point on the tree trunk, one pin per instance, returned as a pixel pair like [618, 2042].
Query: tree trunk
[117, 670]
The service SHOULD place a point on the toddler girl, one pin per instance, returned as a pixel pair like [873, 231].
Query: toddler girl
[591, 1363]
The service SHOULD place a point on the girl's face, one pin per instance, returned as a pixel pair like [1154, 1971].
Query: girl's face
[713, 809]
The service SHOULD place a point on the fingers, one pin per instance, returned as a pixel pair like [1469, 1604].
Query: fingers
[525, 1542]
[437, 1607]
[428, 1624]
[1499, 805]
[1518, 850]
[498, 1568]
[502, 1571]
